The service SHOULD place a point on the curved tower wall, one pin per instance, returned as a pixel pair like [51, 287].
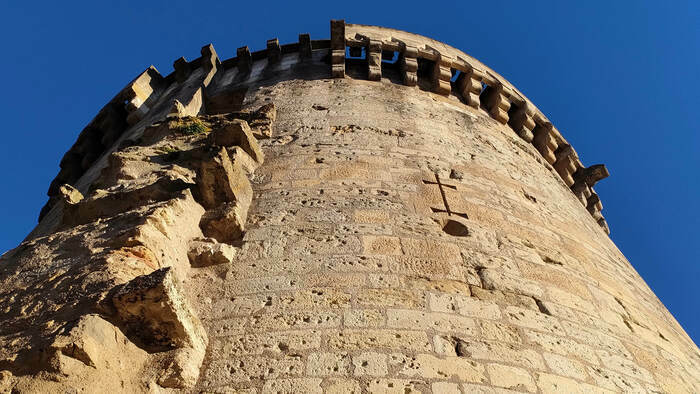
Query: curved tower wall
[397, 218]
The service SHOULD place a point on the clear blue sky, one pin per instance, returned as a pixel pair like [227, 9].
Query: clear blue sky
[619, 79]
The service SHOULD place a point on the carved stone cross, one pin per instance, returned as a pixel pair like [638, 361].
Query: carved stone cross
[442, 187]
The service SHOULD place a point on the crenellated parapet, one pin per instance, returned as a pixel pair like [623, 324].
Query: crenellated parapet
[449, 71]
[210, 85]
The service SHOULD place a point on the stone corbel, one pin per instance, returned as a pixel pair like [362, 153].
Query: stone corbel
[374, 60]
[338, 48]
[495, 102]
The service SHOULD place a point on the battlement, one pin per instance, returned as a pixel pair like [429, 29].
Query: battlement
[355, 51]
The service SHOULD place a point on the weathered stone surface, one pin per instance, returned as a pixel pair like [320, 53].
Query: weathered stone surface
[404, 233]
[206, 252]
[153, 308]
[221, 180]
[238, 133]
[225, 223]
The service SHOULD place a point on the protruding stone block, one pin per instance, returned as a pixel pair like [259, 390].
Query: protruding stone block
[177, 110]
[337, 48]
[374, 60]
[566, 163]
[153, 308]
[94, 342]
[238, 133]
[204, 252]
[225, 223]
[469, 87]
[210, 60]
[408, 62]
[274, 52]
[137, 93]
[520, 119]
[582, 191]
[544, 141]
[338, 34]
[591, 175]
[305, 46]
[602, 223]
[182, 69]
[442, 74]
[245, 60]
[221, 180]
[495, 102]
[338, 63]
[69, 194]
[262, 119]
[594, 204]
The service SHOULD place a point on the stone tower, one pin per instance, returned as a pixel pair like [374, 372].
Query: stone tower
[378, 212]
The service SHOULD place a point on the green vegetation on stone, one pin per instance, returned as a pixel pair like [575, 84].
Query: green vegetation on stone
[192, 127]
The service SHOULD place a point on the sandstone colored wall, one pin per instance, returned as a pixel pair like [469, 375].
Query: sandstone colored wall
[279, 230]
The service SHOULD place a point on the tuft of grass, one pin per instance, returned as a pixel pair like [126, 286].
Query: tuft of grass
[192, 127]
[168, 149]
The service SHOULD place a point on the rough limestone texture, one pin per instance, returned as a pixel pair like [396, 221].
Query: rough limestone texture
[398, 220]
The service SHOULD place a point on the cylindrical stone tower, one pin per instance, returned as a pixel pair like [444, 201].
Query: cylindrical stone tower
[378, 212]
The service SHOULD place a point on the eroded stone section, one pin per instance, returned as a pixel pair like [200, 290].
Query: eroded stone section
[113, 276]
[153, 309]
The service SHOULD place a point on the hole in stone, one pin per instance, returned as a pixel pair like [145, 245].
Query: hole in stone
[455, 228]
[455, 75]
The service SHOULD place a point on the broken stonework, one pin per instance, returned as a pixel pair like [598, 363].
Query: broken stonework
[225, 223]
[96, 343]
[238, 133]
[221, 180]
[153, 309]
[207, 251]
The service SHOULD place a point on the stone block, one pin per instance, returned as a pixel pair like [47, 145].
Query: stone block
[182, 69]
[554, 384]
[565, 366]
[369, 339]
[238, 133]
[428, 366]
[244, 60]
[153, 308]
[206, 252]
[304, 46]
[381, 245]
[408, 63]
[463, 305]
[225, 224]
[497, 280]
[445, 387]
[370, 363]
[410, 319]
[511, 378]
[292, 386]
[534, 319]
[374, 60]
[328, 364]
[274, 52]
[396, 386]
[364, 318]
[520, 119]
[221, 180]
[469, 87]
[495, 102]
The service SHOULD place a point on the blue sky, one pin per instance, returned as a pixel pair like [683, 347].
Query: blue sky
[619, 79]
